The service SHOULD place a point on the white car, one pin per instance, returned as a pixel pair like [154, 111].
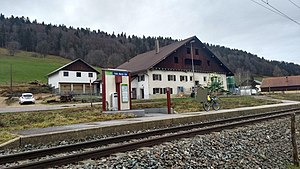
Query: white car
[26, 98]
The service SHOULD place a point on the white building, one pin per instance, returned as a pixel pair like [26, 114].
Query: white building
[171, 66]
[76, 77]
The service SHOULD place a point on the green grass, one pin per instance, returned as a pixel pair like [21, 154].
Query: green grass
[26, 67]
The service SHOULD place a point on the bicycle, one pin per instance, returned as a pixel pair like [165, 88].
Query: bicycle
[213, 102]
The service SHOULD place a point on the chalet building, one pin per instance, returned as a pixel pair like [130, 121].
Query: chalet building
[171, 66]
[74, 78]
[285, 83]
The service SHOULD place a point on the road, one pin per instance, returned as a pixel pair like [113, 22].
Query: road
[28, 108]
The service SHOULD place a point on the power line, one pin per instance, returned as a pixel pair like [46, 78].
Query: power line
[266, 7]
[294, 4]
[275, 10]
[281, 12]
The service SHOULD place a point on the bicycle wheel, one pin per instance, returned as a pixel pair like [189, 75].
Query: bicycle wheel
[206, 106]
[216, 106]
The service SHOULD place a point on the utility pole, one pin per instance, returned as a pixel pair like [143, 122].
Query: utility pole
[11, 90]
[193, 70]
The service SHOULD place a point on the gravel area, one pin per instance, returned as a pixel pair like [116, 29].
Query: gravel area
[264, 145]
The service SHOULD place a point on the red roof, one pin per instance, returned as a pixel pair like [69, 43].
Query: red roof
[281, 81]
[149, 59]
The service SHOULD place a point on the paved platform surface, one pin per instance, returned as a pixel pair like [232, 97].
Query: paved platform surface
[146, 118]
[32, 107]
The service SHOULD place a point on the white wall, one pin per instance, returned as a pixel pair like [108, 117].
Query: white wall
[149, 84]
[58, 77]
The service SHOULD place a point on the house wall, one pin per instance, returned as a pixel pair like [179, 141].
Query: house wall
[282, 88]
[203, 61]
[58, 78]
[148, 84]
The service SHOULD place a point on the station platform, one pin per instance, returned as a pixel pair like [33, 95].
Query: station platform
[149, 121]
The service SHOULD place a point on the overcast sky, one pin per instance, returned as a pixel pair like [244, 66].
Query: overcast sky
[239, 24]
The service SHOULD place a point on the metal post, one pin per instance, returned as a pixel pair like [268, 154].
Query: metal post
[168, 100]
[193, 70]
[91, 93]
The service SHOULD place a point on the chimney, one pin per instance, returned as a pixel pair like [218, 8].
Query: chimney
[156, 46]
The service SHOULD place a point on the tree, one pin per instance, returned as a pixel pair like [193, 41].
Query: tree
[12, 47]
[42, 48]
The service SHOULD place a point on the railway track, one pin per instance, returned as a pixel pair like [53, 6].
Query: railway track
[161, 135]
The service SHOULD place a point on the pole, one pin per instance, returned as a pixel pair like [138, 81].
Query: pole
[294, 143]
[193, 70]
[11, 90]
[168, 100]
[91, 93]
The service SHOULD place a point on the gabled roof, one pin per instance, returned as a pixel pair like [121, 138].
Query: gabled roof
[149, 59]
[281, 81]
[77, 60]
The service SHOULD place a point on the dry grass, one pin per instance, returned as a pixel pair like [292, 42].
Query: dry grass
[10, 122]
[182, 105]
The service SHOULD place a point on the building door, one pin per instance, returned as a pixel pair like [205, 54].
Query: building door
[134, 94]
[142, 94]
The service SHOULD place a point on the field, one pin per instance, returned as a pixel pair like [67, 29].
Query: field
[27, 67]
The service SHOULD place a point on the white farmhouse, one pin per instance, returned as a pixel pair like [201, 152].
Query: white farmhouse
[171, 66]
[76, 77]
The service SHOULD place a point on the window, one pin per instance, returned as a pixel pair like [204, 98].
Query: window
[90, 74]
[204, 78]
[191, 78]
[197, 51]
[188, 61]
[208, 63]
[183, 78]
[156, 77]
[143, 78]
[165, 91]
[188, 50]
[66, 74]
[197, 62]
[156, 90]
[171, 77]
[78, 74]
[175, 59]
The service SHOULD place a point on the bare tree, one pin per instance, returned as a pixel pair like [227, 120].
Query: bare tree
[12, 47]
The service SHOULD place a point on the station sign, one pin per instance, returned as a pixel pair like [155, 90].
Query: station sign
[116, 73]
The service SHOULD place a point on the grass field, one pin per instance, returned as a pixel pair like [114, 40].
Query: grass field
[27, 67]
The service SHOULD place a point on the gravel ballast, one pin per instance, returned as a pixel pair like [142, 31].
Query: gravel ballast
[263, 145]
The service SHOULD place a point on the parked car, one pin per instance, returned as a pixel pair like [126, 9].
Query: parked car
[26, 98]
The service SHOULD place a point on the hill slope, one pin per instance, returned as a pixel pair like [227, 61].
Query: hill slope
[109, 50]
[27, 67]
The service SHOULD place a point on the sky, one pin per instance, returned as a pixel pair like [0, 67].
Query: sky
[238, 24]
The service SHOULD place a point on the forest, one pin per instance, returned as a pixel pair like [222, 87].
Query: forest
[100, 48]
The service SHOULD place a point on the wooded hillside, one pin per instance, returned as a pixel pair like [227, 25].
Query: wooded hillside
[102, 49]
